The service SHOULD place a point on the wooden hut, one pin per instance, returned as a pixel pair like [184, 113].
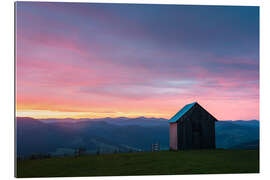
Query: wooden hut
[192, 128]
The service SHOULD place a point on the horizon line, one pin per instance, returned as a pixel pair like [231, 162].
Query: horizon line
[120, 117]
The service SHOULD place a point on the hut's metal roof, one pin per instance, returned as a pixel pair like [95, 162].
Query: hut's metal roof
[181, 112]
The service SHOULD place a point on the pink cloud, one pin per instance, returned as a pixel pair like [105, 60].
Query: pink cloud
[63, 70]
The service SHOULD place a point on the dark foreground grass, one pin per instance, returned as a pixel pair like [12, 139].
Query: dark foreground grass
[144, 163]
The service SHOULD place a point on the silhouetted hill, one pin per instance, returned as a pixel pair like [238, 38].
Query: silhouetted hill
[62, 136]
[248, 145]
[232, 133]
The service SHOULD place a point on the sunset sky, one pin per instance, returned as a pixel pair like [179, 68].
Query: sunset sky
[82, 60]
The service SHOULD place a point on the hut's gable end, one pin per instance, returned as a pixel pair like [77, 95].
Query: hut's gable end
[196, 129]
[197, 113]
[203, 125]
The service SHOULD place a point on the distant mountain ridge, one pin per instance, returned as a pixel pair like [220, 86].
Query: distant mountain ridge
[107, 119]
[124, 120]
[255, 144]
[56, 136]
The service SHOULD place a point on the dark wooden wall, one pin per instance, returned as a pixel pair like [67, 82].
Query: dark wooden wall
[196, 130]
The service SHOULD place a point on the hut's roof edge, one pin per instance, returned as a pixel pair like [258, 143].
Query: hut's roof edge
[180, 113]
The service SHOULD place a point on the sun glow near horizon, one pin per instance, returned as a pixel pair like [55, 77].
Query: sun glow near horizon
[45, 114]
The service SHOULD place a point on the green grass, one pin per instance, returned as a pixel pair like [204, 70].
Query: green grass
[144, 163]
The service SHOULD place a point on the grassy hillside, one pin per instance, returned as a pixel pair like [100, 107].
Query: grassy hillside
[144, 163]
